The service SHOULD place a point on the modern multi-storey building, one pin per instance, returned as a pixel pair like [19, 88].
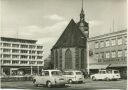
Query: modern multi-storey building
[109, 51]
[20, 56]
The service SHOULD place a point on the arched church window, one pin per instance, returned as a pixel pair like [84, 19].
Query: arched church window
[60, 58]
[56, 59]
[68, 59]
[82, 59]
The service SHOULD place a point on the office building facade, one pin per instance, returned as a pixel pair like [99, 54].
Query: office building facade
[20, 56]
[109, 51]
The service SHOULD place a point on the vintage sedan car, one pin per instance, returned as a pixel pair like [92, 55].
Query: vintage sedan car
[50, 78]
[73, 76]
[106, 75]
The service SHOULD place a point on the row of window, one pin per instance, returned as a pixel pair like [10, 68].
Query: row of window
[22, 46]
[21, 62]
[22, 56]
[112, 54]
[22, 51]
[111, 42]
[114, 59]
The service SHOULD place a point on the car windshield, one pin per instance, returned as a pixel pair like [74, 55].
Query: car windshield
[109, 71]
[102, 72]
[45, 73]
[56, 73]
[78, 73]
[68, 73]
[116, 72]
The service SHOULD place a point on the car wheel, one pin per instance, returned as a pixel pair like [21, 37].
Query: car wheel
[34, 83]
[70, 81]
[117, 79]
[62, 85]
[80, 82]
[49, 84]
[94, 78]
[107, 79]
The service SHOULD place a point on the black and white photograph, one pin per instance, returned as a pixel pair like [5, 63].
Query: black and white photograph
[63, 44]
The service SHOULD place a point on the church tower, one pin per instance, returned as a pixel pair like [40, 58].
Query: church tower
[82, 24]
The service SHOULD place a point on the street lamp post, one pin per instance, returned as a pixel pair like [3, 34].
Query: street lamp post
[31, 69]
[38, 70]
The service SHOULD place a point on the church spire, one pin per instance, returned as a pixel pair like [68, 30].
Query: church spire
[82, 13]
[82, 24]
[82, 4]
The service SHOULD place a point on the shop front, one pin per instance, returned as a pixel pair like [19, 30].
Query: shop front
[21, 71]
[122, 69]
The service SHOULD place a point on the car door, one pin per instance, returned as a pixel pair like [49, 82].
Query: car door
[105, 75]
[37, 78]
[44, 77]
[102, 75]
[40, 79]
[99, 75]
[71, 76]
[68, 75]
[79, 75]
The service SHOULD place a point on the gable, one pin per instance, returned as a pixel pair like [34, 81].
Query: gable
[71, 37]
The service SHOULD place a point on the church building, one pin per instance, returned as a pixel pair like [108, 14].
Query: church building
[70, 50]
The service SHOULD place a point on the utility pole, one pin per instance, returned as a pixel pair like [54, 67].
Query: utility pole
[17, 34]
[38, 70]
[31, 69]
[113, 25]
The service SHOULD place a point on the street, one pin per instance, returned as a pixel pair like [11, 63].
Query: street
[88, 84]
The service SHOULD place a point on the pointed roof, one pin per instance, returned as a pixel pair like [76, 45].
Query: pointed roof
[71, 37]
[82, 17]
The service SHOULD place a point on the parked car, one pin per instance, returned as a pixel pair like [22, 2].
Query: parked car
[50, 78]
[73, 76]
[106, 75]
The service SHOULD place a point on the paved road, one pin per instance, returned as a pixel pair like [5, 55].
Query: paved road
[89, 84]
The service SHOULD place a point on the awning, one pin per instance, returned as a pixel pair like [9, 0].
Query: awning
[14, 68]
[98, 66]
[118, 65]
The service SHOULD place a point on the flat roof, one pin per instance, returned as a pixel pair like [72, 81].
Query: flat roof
[18, 39]
[108, 35]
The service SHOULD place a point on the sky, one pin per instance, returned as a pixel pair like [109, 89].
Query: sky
[45, 20]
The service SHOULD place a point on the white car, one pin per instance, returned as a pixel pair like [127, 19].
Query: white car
[50, 78]
[106, 75]
[73, 76]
